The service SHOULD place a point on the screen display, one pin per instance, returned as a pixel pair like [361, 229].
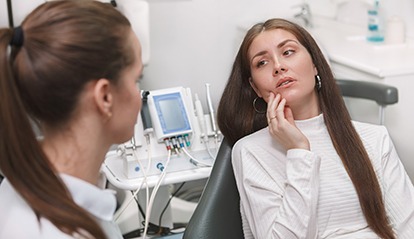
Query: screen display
[172, 113]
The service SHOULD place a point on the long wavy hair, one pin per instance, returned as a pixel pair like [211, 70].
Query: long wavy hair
[237, 118]
[66, 45]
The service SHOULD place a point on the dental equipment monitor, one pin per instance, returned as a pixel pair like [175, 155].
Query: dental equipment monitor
[168, 124]
[171, 113]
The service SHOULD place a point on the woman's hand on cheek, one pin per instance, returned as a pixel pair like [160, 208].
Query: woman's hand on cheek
[282, 125]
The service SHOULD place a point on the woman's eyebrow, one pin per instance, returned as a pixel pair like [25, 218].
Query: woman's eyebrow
[285, 42]
[280, 45]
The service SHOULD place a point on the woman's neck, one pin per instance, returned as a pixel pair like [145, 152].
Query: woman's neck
[78, 152]
[306, 110]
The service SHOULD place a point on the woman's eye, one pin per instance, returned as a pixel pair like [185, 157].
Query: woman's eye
[261, 63]
[288, 52]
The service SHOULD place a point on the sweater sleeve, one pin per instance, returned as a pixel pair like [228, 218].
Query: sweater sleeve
[398, 192]
[278, 200]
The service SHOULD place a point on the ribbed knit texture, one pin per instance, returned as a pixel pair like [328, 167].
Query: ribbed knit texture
[308, 194]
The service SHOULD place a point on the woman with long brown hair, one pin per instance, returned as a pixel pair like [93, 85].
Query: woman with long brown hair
[72, 66]
[312, 172]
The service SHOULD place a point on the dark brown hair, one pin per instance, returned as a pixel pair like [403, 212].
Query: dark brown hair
[237, 118]
[66, 44]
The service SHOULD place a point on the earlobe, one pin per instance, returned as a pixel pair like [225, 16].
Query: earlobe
[315, 70]
[103, 97]
[254, 87]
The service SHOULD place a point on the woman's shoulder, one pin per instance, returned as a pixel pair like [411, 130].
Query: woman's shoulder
[257, 138]
[368, 129]
[18, 220]
[375, 138]
[12, 204]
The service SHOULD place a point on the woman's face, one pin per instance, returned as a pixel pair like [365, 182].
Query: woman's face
[128, 98]
[280, 64]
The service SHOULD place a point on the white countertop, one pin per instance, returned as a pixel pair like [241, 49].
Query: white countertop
[346, 44]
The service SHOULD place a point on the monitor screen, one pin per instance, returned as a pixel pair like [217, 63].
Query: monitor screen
[171, 113]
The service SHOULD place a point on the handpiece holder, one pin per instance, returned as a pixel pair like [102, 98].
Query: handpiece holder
[145, 114]
[211, 111]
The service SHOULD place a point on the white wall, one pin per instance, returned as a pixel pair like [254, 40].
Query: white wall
[3, 14]
[194, 42]
[20, 9]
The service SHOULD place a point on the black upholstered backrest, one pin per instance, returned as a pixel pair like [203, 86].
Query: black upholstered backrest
[217, 215]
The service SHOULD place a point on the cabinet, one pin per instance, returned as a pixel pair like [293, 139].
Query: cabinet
[352, 57]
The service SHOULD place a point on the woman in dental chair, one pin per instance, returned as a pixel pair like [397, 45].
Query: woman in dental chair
[72, 66]
[303, 168]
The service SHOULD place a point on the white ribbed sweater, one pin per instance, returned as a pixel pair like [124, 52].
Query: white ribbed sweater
[308, 194]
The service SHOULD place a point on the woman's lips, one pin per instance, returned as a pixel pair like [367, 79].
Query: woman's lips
[284, 82]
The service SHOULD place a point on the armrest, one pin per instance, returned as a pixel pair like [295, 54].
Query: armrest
[381, 93]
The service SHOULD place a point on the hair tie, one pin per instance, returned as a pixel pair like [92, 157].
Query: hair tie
[17, 38]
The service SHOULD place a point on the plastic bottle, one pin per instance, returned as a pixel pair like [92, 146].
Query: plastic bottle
[375, 24]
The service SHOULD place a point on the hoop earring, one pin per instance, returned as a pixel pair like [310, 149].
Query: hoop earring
[318, 83]
[254, 106]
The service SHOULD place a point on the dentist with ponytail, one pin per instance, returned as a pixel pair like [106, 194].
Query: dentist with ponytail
[71, 67]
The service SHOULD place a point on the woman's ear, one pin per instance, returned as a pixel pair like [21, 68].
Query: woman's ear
[254, 87]
[103, 96]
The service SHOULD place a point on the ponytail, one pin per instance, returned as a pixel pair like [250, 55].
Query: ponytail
[25, 165]
[63, 46]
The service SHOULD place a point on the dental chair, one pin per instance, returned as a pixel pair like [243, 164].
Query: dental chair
[217, 215]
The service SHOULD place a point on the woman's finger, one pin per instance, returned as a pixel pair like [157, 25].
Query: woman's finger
[269, 105]
[280, 114]
[272, 106]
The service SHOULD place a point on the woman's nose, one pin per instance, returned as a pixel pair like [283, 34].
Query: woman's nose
[278, 67]
[277, 71]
